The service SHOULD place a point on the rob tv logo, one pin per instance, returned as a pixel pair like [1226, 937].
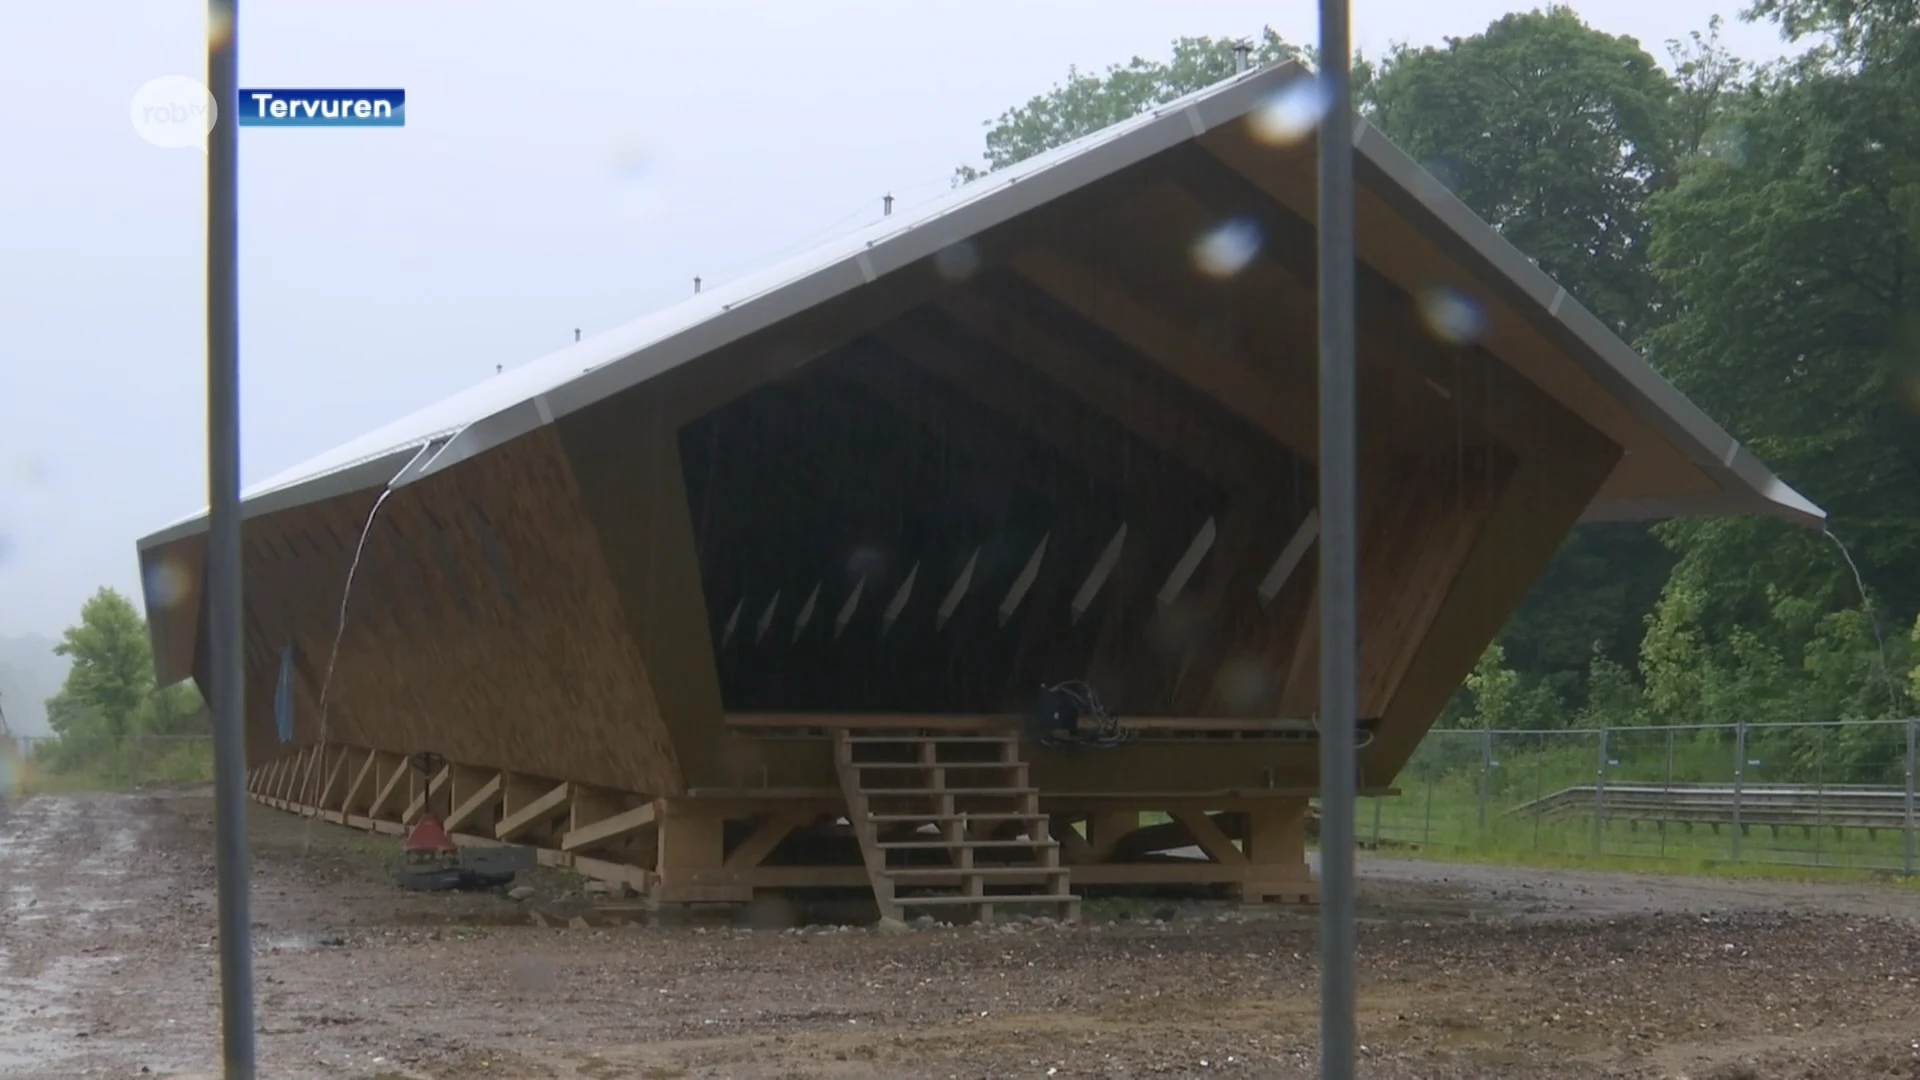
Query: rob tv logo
[175, 111]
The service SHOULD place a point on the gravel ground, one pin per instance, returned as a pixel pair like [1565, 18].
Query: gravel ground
[107, 968]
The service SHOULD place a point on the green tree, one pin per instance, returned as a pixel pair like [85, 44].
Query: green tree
[109, 694]
[1558, 134]
[1787, 249]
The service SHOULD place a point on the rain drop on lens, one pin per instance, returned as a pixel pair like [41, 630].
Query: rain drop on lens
[1451, 317]
[1227, 248]
[166, 584]
[957, 262]
[1290, 113]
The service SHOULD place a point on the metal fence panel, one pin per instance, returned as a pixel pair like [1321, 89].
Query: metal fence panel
[1814, 794]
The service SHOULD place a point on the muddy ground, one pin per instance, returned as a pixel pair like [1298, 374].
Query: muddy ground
[107, 968]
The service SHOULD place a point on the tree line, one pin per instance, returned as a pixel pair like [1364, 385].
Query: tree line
[111, 702]
[1752, 229]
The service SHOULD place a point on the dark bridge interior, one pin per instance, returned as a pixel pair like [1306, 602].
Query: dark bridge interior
[924, 522]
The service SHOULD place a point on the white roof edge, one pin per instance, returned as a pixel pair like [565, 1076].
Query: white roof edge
[509, 405]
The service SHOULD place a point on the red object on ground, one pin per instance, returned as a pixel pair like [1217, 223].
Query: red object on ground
[428, 837]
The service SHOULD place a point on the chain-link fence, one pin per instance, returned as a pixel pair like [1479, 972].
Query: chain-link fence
[1826, 794]
[48, 763]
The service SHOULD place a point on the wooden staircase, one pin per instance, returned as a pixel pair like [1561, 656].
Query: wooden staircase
[948, 822]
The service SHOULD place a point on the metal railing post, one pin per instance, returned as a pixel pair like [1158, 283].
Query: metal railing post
[1486, 778]
[1666, 793]
[1426, 822]
[1819, 796]
[1600, 796]
[1906, 818]
[1739, 780]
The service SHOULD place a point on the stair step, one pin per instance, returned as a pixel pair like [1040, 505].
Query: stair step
[910, 873]
[887, 793]
[932, 845]
[954, 899]
[894, 819]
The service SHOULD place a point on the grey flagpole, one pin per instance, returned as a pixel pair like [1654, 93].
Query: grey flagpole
[1339, 527]
[227, 677]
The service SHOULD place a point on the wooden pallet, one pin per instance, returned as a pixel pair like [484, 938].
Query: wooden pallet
[931, 808]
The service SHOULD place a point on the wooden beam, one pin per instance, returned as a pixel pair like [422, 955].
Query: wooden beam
[1074, 848]
[1208, 835]
[609, 829]
[1233, 443]
[757, 846]
[419, 802]
[362, 783]
[482, 799]
[388, 790]
[1283, 412]
[323, 800]
[535, 813]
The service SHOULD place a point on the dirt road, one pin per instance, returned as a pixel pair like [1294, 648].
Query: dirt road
[107, 968]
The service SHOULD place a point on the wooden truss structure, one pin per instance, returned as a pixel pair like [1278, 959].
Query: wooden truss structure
[933, 819]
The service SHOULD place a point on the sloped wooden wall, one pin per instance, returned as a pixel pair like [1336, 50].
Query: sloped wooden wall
[482, 626]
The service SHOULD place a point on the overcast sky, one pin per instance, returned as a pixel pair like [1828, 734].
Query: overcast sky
[562, 165]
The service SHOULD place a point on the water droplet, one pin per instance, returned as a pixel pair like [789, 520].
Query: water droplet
[636, 180]
[1290, 113]
[958, 261]
[1451, 317]
[1444, 170]
[167, 584]
[1227, 248]
[1243, 684]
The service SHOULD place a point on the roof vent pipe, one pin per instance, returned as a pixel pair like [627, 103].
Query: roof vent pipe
[1240, 51]
[886, 206]
[696, 286]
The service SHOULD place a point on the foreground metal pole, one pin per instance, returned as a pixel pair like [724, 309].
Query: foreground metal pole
[1339, 534]
[227, 683]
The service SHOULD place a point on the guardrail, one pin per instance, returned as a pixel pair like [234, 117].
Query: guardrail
[1774, 806]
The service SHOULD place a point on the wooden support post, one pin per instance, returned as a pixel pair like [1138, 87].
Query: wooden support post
[333, 790]
[606, 830]
[693, 855]
[1276, 849]
[292, 776]
[1106, 828]
[1073, 846]
[361, 789]
[389, 795]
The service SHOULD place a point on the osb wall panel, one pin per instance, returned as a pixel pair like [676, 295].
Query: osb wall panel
[1541, 503]
[1417, 525]
[293, 568]
[481, 627]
